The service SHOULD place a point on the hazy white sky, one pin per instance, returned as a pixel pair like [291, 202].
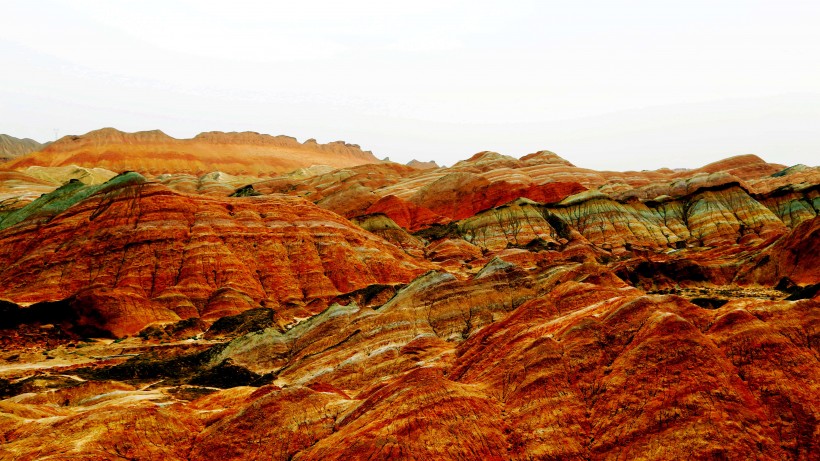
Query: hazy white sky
[606, 84]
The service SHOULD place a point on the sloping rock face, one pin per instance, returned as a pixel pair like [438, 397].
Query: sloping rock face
[741, 198]
[406, 214]
[520, 361]
[475, 193]
[795, 257]
[19, 188]
[742, 166]
[347, 191]
[195, 256]
[11, 147]
[154, 152]
[386, 228]
[709, 217]
[498, 309]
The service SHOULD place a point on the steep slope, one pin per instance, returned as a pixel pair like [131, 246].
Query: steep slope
[795, 256]
[154, 152]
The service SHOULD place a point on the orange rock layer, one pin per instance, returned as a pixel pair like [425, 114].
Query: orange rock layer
[523, 361]
[499, 309]
[193, 256]
[154, 152]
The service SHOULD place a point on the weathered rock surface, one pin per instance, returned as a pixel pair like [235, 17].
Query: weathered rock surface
[195, 256]
[406, 214]
[347, 191]
[795, 256]
[501, 308]
[154, 152]
[572, 365]
[381, 225]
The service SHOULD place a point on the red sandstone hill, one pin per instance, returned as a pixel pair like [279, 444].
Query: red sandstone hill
[501, 309]
[133, 246]
[154, 152]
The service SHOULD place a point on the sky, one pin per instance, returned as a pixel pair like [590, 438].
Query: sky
[618, 85]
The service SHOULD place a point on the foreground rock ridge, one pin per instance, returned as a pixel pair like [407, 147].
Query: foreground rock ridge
[501, 308]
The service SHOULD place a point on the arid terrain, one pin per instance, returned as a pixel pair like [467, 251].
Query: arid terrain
[245, 296]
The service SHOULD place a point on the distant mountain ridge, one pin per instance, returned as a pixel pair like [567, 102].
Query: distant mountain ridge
[154, 152]
[420, 165]
[11, 147]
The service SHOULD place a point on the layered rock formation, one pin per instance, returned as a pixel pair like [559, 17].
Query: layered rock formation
[191, 255]
[501, 308]
[154, 152]
[486, 368]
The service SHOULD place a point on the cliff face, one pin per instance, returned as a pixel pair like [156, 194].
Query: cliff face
[501, 308]
[154, 152]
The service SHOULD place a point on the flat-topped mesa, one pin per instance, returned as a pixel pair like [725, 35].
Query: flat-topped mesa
[423, 165]
[247, 137]
[109, 135]
[104, 137]
[678, 187]
[154, 153]
[256, 139]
